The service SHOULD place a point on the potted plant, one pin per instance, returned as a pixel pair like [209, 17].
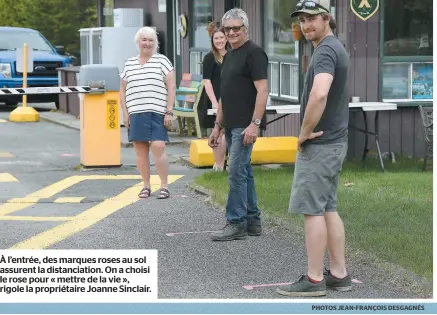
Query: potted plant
[210, 28]
[297, 31]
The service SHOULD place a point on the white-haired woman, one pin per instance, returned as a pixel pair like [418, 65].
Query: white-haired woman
[147, 95]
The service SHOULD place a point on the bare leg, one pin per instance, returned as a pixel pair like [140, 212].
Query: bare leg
[143, 161]
[219, 153]
[316, 240]
[336, 244]
[161, 161]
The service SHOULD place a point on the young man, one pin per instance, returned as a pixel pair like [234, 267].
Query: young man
[240, 112]
[322, 148]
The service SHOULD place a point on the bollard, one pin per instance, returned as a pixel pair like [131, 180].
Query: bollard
[99, 116]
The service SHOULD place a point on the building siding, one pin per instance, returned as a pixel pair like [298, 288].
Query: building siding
[253, 11]
[218, 10]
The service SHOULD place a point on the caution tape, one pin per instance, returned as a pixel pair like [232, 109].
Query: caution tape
[50, 90]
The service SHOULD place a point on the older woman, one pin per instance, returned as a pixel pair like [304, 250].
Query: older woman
[147, 95]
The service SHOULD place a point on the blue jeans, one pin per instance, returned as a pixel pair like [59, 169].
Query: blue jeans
[241, 206]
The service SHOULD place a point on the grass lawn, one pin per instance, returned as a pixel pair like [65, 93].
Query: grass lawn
[389, 214]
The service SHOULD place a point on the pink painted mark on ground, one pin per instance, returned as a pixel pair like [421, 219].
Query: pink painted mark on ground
[69, 154]
[180, 233]
[254, 286]
[251, 287]
[356, 281]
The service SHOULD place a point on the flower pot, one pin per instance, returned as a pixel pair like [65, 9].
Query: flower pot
[210, 28]
[297, 34]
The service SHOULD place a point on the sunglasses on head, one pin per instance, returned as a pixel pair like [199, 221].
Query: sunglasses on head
[309, 5]
[234, 28]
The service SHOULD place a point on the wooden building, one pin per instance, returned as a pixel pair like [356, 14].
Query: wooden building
[391, 56]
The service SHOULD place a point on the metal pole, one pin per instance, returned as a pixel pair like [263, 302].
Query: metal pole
[25, 73]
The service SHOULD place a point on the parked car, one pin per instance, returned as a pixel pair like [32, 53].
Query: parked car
[46, 59]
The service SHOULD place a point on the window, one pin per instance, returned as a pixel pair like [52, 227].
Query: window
[407, 51]
[202, 15]
[408, 29]
[279, 39]
[13, 40]
[407, 81]
[281, 48]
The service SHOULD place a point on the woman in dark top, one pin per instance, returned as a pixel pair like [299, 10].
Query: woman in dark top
[212, 65]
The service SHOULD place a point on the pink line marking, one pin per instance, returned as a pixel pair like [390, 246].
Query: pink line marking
[179, 233]
[69, 154]
[251, 287]
[356, 281]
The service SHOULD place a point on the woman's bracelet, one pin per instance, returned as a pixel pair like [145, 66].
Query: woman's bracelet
[169, 112]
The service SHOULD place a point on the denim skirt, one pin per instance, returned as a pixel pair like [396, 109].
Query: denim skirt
[147, 127]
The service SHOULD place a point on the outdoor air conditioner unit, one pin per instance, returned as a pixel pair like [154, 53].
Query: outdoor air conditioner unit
[107, 45]
[124, 17]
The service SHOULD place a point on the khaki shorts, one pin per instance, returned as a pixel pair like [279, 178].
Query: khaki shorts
[315, 181]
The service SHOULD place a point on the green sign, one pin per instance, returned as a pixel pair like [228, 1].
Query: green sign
[364, 9]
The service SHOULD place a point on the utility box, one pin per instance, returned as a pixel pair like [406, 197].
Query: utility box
[100, 139]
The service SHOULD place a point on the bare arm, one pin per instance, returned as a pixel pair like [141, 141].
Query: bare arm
[123, 96]
[261, 98]
[219, 117]
[210, 92]
[316, 102]
[170, 82]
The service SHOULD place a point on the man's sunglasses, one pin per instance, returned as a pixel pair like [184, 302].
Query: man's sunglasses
[234, 28]
[309, 5]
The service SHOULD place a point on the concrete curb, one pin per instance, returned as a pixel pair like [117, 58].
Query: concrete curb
[58, 122]
[200, 190]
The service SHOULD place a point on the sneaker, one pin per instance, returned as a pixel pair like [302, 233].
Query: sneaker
[334, 283]
[230, 232]
[303, 287]
[254, 230]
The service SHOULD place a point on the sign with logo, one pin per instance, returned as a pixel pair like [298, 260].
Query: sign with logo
[364, 9]
[112, 114]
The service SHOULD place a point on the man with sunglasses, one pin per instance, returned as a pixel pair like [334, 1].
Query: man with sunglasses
[322, 148]
[243, 99]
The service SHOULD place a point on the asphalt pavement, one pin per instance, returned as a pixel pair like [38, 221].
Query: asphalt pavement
[43, 189]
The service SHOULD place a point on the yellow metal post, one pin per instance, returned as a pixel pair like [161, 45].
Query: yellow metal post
[25, 73]
[24, 113]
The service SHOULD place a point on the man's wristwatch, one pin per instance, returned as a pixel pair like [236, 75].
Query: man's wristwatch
[256, 121]
[219, 125]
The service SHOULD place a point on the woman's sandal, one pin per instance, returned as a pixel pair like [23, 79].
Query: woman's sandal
[163, 193]
[144, 193]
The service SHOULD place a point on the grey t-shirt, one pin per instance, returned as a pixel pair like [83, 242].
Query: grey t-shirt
[330, 57]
